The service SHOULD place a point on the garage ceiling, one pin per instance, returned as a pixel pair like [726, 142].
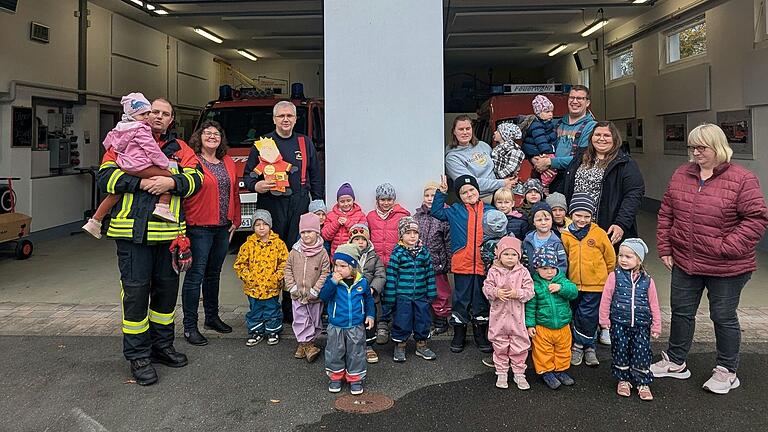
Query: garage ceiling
[477, 32]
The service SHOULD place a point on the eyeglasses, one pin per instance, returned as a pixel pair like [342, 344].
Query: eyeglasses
[577, 98]
[211, 134]
[698, 148]
[285, 116]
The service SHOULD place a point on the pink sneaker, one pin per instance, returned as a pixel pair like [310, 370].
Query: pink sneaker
[163, 211]
[93, 227]
[722, 381]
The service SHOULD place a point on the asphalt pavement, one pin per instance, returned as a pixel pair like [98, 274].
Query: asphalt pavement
[83, 384]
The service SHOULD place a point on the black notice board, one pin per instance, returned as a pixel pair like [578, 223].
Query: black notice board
[21, 130]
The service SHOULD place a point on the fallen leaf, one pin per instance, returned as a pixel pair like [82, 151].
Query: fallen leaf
[129, 381]
[275, 400]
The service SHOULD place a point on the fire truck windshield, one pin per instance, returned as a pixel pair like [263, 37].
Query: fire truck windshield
[245, 124]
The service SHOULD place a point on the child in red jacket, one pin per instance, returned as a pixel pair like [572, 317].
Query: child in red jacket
[383, 220]
[344, 214]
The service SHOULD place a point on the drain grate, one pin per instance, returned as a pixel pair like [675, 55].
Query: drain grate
[366, 403]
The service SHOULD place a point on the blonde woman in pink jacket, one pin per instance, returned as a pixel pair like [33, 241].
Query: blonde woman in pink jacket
[508, 286]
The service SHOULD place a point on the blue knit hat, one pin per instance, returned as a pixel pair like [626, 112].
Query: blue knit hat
[347, 252]
[545, 256]
[582, 201]
[494, 224]
[316, 206]
[539, 206]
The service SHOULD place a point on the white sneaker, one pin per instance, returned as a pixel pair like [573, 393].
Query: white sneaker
[722, 381]
[501, 381]
[605, 337]
[521, 382]
[667, 368]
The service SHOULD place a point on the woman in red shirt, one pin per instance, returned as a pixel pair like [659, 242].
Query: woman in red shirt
[212, 216]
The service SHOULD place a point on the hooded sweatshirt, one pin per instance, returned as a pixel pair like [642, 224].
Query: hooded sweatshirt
[475, 161]
[135, 147]
[566, 133]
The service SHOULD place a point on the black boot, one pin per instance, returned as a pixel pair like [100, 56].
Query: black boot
[169, 357]
[194, 337]
[143, 371]
[459, 333]
[480, 334]
[217, 325]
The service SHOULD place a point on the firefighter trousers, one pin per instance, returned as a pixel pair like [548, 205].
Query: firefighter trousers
[149, 291]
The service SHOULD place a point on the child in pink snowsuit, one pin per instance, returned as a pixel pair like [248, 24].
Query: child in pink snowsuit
[508, 286]
[138, 154]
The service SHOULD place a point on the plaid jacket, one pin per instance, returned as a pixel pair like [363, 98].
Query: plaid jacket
[507, 157]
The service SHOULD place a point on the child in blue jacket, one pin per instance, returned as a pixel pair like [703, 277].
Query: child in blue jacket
[541, 136]
[410, 290]
[350, 311]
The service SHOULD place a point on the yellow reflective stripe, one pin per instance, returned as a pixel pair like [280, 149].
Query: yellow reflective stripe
[191, 182]
[132, 327]
[108, 164]
[116, 174]
[122, 228]
[126, 204]
[175, 205]
[161, 318]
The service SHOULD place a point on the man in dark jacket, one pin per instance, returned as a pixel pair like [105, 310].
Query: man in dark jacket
[304, 179]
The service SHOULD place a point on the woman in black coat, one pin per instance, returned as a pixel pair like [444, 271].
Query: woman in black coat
[606, 172]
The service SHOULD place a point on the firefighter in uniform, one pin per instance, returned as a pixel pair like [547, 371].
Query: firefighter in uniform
[149, 283]
[304, 179]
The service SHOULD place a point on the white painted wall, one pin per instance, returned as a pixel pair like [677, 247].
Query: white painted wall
[732, 55]
[384, 96]
[122, 56]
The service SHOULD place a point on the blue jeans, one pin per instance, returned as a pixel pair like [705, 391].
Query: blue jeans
[209, 248]
[723, 294]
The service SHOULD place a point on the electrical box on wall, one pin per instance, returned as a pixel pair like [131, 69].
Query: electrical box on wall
[39, 32]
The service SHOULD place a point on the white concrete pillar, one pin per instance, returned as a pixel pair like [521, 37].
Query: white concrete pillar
[383, 97]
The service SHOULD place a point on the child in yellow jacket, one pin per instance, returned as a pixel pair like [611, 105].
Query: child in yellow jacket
[260, 264]
[591, 258]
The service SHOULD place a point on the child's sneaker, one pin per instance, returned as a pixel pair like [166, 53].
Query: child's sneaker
[93, 227]
[370, 355]
[551, 380]
[605, 337]
[399, 355]
[667, 368]
[312, 352]
[645, 393]
[163, 211]
[722, 381]
[424, 352]
[253, 339]
[273, 339]
[382, 336]
[624, 388]
[501, 381]
[564, 378]
[521, 382]
[356, 388]
[334, 386]
[577, 355]
[590, 357]
[488, 361]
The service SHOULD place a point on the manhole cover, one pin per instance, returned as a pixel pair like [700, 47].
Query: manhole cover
[366, 403]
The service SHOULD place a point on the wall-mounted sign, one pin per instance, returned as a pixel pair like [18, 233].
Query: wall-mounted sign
[737, 126]
[675, 134]
[21, 127]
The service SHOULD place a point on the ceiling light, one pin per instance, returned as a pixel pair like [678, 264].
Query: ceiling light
[138, 3]
[208, 35]
[247, 55]
[556, 50]
[594, 27]
[160, 11]
[150, 6]
[639, 1]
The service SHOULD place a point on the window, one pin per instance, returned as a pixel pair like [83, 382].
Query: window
[622, 64]
[584, 77]
[686, 41]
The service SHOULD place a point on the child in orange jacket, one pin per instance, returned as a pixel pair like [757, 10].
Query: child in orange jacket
[591, 258]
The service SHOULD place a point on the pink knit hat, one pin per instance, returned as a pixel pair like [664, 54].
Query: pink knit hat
[309, 222]
[508, 242]
[135, 104]
[541, 103]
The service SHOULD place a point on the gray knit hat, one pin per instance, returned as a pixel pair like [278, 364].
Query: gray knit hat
[582, 201]
[261, 214]
[557, 200]
[386, 190]
[494, 224]
[316, 206]
[638, 246]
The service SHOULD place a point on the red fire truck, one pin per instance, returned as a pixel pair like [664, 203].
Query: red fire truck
[246, 118]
